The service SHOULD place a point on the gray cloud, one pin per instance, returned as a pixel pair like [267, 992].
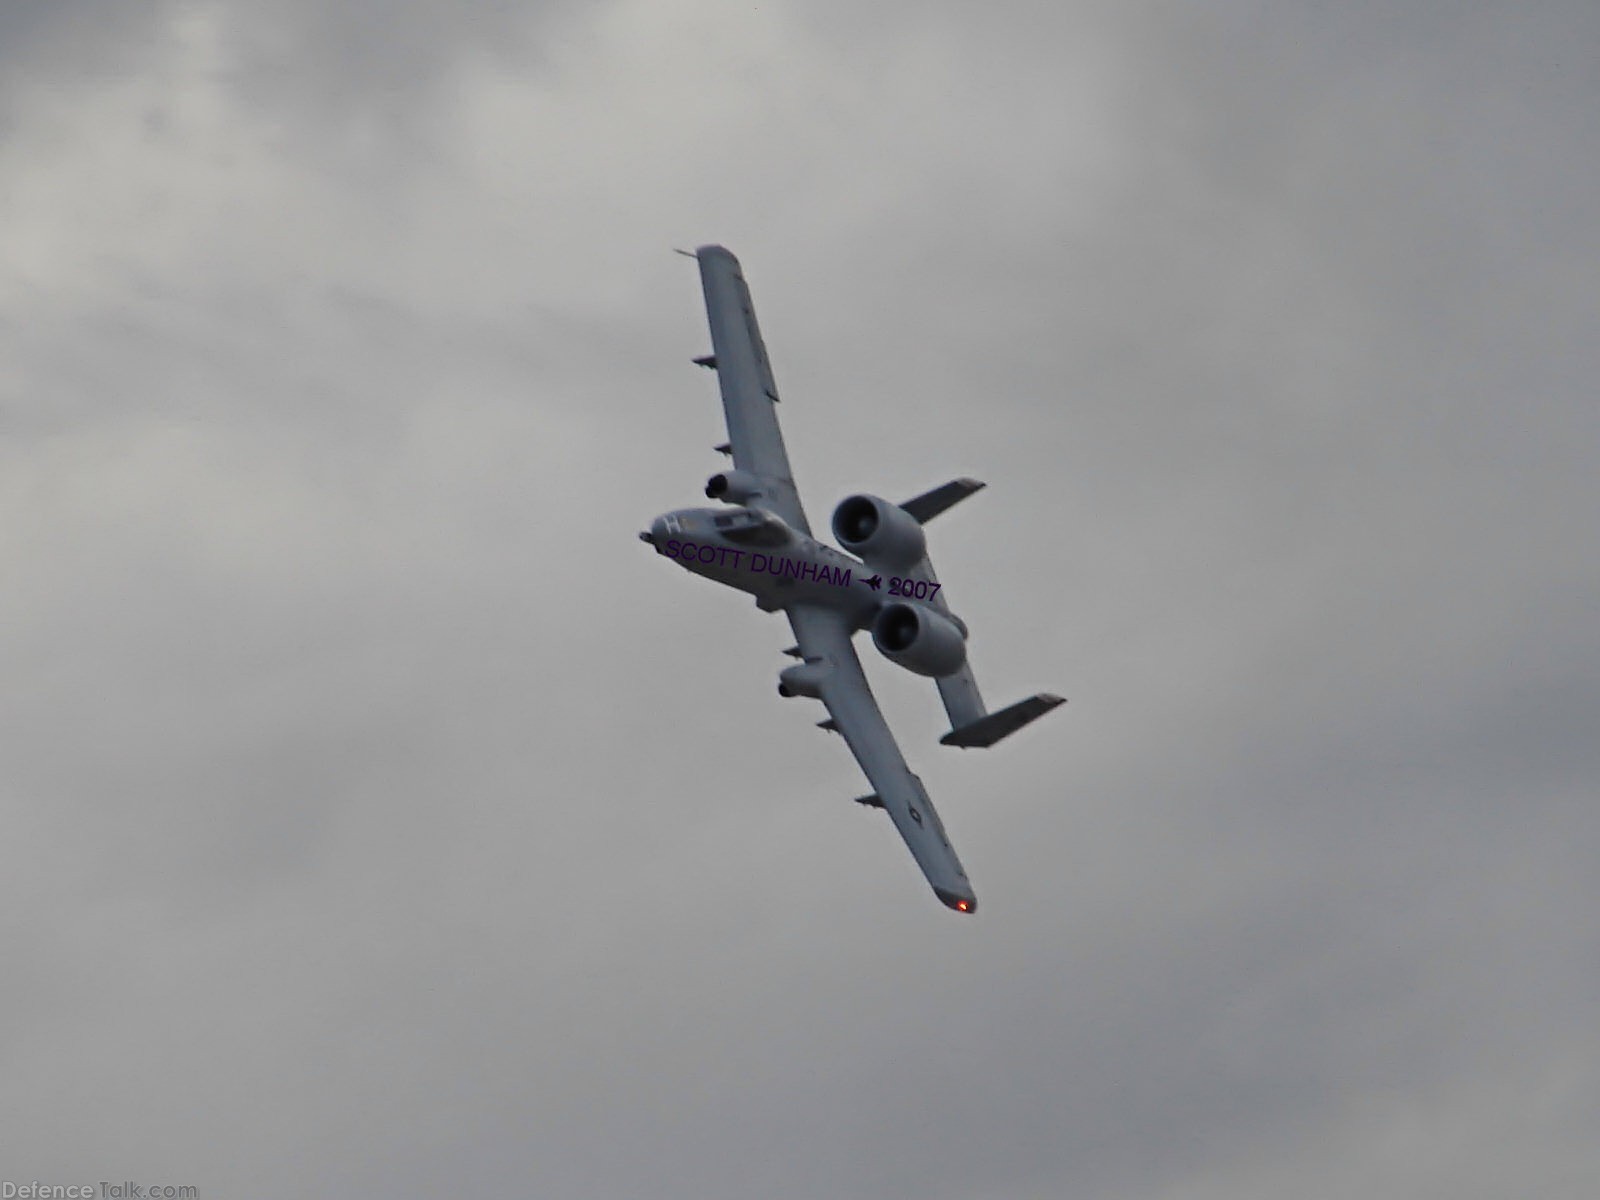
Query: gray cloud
[384, 818]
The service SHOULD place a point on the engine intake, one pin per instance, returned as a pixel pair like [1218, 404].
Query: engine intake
[919, 639]
[883, 534]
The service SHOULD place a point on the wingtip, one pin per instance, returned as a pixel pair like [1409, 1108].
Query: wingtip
[712, 250]
[960, 902]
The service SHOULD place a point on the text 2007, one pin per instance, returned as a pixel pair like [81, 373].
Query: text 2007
[913, 589]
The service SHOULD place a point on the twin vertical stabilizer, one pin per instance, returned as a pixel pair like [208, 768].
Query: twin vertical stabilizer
[989, 729]
[971, 723]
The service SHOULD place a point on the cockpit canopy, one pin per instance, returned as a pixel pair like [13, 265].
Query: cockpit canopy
[752, 527]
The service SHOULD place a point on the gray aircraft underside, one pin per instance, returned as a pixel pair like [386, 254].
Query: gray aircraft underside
[761, 543]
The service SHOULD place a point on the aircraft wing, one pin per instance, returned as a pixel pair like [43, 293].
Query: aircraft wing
[824, 637]
[748, 389]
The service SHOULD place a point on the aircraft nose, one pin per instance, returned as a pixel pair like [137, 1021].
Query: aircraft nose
[656, 535]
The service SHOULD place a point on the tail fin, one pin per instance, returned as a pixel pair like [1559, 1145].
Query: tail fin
[971, 723]
[931, 503]
[962, 701]
[989, 728]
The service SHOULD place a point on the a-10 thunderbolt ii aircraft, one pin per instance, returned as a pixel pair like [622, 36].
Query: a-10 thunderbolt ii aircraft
[762, 544]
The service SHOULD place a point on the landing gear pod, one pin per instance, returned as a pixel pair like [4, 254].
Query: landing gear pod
[733, 487]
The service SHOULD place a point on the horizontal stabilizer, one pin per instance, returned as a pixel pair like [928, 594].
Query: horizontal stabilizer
[986, 731]
[930, 504]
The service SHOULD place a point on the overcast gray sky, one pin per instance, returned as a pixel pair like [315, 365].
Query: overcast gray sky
[381, 819]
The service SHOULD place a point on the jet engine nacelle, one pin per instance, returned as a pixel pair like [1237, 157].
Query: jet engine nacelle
[919, 638]
[883, 534]
[733, 487]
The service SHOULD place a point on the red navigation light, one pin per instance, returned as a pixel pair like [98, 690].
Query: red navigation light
[963, 906]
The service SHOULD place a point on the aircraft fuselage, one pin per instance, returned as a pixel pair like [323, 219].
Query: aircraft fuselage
[784, 567]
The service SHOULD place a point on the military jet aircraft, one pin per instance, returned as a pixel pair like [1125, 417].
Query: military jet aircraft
[761, 543]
